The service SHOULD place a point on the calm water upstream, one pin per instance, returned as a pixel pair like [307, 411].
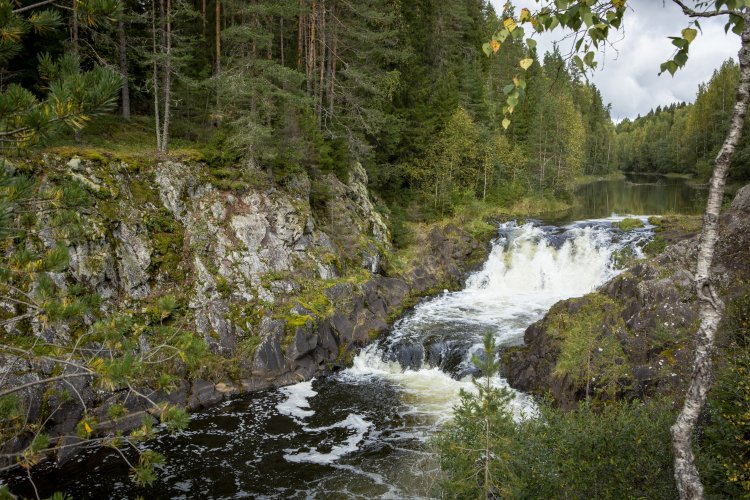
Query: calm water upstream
[362, 433]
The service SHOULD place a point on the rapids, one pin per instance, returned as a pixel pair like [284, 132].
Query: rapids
[362, 432]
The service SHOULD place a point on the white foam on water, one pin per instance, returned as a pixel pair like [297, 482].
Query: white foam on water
[297, 403]
[529, 269]
[352, 422]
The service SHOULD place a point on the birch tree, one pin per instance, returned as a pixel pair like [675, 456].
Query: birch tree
[590, 24]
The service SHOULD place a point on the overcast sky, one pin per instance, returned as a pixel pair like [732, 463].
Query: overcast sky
[630, 79]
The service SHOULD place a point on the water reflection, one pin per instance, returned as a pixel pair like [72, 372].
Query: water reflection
[637, 194]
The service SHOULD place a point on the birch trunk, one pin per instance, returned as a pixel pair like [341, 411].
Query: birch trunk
[711, 307]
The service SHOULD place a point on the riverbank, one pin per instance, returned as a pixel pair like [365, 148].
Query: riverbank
[227, 288]
[227, 280]
[649, 312]
[588, 179]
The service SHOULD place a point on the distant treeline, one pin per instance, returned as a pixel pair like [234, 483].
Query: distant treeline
[685, 138]
[404, 87]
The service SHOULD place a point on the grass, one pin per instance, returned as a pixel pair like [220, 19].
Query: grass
[629, 223]
[109, 137]
[582, 180]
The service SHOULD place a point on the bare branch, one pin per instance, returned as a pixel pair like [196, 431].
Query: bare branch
[33, 6]
[709, 13]
[43, 381]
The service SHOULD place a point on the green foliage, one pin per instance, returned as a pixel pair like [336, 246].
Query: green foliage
[73, 97]
[116, 411]
[629, 223]
[622, 450]
[475, 447]
[589, 353]
[725, 447]
[685, 137]
[175, 418]
[619, 450]
[144, 472]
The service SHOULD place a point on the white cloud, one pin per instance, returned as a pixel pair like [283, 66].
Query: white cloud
[629, 78]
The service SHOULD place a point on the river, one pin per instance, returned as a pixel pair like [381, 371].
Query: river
[364, 432]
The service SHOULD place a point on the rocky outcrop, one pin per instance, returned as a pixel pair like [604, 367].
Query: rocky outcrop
[651, 312]
[280, 287]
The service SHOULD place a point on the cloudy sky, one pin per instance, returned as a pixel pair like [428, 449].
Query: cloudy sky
[629, 78]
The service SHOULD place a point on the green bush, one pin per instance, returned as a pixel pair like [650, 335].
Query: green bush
[622, 450]
[400, 233]
[628, 224]
[724, 457]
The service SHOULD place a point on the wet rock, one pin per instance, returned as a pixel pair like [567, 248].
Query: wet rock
[305, 341]
[269, 358]
[657, 315]
[202, 394]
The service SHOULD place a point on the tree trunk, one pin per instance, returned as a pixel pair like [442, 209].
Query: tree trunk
[332, 82]
[203, 15]
[253, 54]
[167, 76]
[124, 70]
[300, 35]
[218, 50]
[74, 42]
[74, 27]
[711, 307]
[155, 77]
[310, 73]
[281, 39]
[322, 62]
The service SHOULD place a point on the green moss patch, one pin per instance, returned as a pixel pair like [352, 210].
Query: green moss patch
[628, 224]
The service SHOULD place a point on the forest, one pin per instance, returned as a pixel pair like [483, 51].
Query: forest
[256, 247]
[685, 138]
[402, 87]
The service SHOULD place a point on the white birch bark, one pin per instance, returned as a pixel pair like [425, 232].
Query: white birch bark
[711, 307]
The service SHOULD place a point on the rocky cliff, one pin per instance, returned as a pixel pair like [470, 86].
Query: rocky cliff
[279, 283]
[638, 326]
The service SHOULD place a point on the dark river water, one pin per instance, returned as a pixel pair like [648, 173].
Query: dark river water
[364, 432]
[638, 194]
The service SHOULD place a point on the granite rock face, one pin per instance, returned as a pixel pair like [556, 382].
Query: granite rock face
[653, 315]
[281, 285]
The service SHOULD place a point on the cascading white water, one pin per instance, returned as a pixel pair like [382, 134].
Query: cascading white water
[528, 270]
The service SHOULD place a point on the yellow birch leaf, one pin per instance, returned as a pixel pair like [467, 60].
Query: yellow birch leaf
[506, 123]
[525, 14]
[495, 46]
[509, 23]
[689, 34]
[526, 63]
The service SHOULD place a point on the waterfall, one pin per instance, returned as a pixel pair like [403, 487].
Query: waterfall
[529, 269]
